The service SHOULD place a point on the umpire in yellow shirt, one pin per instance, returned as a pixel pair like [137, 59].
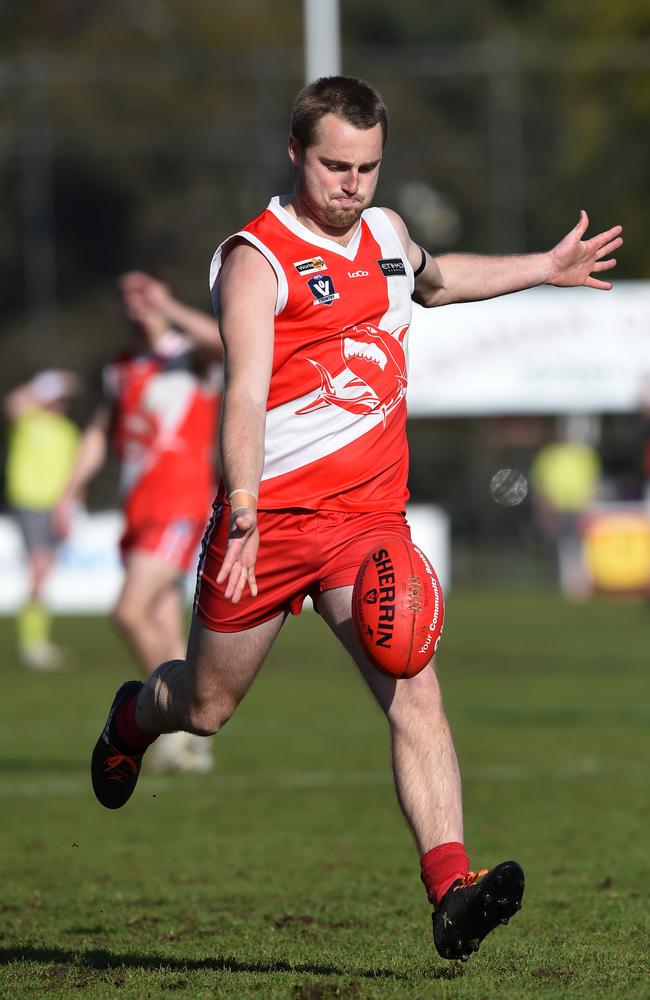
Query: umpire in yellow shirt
[41, 449]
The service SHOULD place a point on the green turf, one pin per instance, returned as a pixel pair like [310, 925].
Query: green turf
[289, 872]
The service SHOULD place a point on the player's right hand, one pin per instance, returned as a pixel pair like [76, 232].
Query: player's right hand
[238, 567]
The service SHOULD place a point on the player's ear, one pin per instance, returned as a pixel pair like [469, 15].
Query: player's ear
[295, 150]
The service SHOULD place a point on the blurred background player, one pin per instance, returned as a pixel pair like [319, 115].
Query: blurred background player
[159, 410]
[42, 447]
[566, 475]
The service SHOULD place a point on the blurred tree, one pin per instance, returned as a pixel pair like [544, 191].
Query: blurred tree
[522, 113]
[167, 124]
[596, 107]
[154, 129]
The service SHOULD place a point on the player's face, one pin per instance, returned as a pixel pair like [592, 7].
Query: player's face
[335, 179]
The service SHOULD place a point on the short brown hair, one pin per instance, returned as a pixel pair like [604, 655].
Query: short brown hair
[348, 97]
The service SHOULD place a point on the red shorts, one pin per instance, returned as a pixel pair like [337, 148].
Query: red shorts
[302, 553]
[175, 542]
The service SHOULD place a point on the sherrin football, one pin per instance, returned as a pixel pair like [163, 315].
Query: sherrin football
[398, 608]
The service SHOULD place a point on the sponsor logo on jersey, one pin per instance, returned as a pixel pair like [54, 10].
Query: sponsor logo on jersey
[391, 265]
[322, 288]
[372, 377]
[357, 274]
[307, 266]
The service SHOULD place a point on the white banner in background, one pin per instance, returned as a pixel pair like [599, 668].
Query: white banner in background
[88, 574]
[545, 350]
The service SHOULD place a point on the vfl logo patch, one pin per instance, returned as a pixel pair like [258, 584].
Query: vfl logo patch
[370, 596]
[391, 265]
[307, 266]
[322, 288]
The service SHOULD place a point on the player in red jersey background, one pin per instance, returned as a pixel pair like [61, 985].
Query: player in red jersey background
[159, 413]
[313, 298]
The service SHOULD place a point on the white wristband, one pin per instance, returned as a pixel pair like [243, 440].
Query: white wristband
[247, 492]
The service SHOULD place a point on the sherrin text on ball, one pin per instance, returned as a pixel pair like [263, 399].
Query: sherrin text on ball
[398, 607]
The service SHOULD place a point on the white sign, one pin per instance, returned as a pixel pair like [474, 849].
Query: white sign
[86, 576]
[431, 532]
[545, 350]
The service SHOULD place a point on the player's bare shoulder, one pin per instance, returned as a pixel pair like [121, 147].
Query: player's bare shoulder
[246, 289]
[246, 281]
[243, 260]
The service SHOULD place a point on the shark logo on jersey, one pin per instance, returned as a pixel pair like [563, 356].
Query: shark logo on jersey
[373, 377]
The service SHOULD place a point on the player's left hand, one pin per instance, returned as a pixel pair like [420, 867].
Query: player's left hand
[574, 260]
[238, 567]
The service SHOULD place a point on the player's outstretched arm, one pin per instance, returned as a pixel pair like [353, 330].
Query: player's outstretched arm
[462, 277]
[247, 293]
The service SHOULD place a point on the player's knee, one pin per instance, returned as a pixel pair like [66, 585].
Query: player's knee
[120, 618]
[207, 718]
[125, 617]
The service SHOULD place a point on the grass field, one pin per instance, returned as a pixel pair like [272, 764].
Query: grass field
[289, 871]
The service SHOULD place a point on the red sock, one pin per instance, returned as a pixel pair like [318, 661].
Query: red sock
[440, 867]
[127, 728]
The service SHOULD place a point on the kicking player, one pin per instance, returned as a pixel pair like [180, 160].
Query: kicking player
[314, 299]
[160, 411]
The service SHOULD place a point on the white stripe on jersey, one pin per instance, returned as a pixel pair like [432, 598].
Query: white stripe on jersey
[398, 297]
[217, 261]
[167, 398]
[292, 441]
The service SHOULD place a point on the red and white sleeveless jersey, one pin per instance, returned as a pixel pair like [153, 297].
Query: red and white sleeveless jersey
[164, 429]
[336, 411]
